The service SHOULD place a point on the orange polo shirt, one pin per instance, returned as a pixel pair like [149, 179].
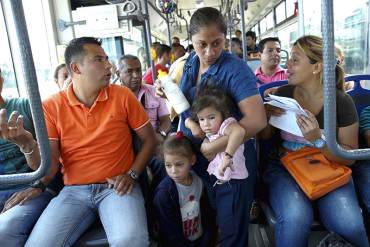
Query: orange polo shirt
[96, 142]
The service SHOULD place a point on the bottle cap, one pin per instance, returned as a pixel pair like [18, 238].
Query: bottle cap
[161, 73]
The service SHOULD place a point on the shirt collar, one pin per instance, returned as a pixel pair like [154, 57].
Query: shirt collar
[259, 71]
[73, 101]
[213, 69]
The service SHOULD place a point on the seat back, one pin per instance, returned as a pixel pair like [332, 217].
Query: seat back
[360, 95]
[264, 87]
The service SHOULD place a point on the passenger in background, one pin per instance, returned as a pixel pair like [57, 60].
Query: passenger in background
[339, 209]
[129, 67]
[361, 170]
[130, 75]
[20, 205]
[252, 47]
[181, 206]
[153, 50]
[95, 147]
[163, 60]
[236, 47]
[208, 34]
[175, 40]
[61, 75]
[238, 34]
[177, 51]
[190, 48]
[270, 70]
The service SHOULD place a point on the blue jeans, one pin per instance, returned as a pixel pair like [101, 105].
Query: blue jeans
[339, 210]
[75, 208]
[17, 222]
[361, 177]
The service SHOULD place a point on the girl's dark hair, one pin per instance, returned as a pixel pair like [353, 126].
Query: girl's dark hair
[211, 96]
[206, 17]
[181, 145]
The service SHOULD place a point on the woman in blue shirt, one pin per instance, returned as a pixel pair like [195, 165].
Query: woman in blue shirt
[211, 64]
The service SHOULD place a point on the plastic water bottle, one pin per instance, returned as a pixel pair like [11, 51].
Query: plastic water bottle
[173, 93]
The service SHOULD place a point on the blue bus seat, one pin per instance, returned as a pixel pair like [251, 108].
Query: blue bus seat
[360, 95]
[264, 87]
[254, 64]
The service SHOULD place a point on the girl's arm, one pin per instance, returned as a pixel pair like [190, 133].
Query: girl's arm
[236, 134]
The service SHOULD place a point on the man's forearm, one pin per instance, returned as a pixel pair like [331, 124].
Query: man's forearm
[144, 155]
[30, 150]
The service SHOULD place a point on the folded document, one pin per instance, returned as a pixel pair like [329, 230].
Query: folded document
[287, 121]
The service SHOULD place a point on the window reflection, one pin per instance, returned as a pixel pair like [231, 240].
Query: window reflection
[6, 65]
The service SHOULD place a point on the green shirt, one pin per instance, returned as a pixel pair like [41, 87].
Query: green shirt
[12, 160]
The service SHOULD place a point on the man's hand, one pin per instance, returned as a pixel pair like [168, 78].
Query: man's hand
[122, 184]
[13, 131]
[20, 197]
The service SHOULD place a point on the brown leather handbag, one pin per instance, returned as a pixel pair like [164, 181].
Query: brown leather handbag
[314, 173]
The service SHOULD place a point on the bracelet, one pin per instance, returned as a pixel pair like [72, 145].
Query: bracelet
[227, 154]
[34, 145]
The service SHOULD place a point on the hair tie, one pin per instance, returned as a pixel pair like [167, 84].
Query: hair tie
[179, 135]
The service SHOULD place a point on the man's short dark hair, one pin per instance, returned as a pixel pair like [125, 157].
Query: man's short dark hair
[261, 44]
[236, 40]
[125, 58]
[251, 34]
[75, 50]
[163, 49]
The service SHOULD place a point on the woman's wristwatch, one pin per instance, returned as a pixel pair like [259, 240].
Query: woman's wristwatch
[319, 142]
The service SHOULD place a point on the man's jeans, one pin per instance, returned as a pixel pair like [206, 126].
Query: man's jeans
[339, 210]
[17, 222]
[75, 208]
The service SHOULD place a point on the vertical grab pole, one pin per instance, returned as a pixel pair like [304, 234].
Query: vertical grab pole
[149, 39]
[168, 30]
[330, 106]
[244, 45]
[13, 12]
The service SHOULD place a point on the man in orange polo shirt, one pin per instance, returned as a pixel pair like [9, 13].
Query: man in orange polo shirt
[89, 128]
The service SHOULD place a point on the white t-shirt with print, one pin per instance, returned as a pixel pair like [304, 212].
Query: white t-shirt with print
[189, 200]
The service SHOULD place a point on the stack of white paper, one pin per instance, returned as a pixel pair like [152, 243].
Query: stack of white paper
[287, 121]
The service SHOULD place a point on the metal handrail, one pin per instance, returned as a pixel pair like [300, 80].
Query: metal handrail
[13, 12]
[330, 112]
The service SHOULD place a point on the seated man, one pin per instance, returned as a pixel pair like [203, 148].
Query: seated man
[20, 205]
[163, 53]
[270, 69]
[252, 47]
[130, 75]
[236, 47]
[89, 127]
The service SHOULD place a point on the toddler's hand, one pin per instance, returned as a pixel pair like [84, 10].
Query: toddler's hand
[227, 161]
